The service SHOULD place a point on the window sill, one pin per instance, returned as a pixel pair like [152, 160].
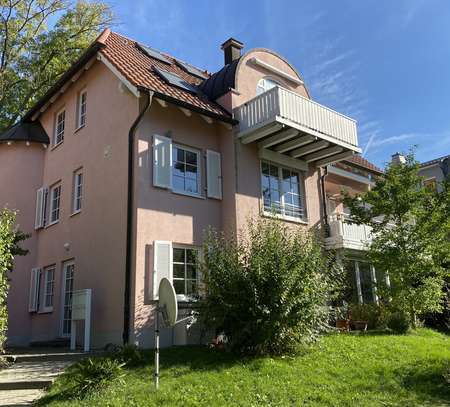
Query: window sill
[192, 195]
[285, 218]
[55, 146]
[75, 213]
[45, 311]
[79, 128]
[51, 224]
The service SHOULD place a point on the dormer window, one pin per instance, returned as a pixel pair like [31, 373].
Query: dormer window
[265, 84]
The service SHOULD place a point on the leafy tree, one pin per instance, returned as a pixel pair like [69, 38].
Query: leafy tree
[266, 289]
[39, 40]
[9, 247]
[410, 237]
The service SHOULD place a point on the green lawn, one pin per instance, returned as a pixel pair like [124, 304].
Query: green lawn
[342, 370]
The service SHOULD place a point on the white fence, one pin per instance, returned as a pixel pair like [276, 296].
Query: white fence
[298, 109]
[340, 227]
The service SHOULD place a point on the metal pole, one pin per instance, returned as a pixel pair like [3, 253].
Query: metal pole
[157, 349]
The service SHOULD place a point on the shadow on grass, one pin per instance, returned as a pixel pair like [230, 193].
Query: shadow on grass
[190, 358]
[427, 381]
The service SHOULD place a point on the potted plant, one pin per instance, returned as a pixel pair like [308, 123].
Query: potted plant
[342, 317]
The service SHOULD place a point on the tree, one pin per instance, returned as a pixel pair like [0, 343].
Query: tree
[267, 290]
[9, 247]
[39, 40]
[410, 237]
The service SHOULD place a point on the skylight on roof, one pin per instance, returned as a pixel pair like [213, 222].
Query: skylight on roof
[175, 80]
[153, 53]
[192, 70]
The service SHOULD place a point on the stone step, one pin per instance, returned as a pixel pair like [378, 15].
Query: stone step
[19, 397]
[45, 357]
[25, 384]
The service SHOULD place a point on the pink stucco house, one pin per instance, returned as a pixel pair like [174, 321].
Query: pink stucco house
[132, 154]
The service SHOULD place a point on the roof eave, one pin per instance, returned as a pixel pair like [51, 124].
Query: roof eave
[205, 112]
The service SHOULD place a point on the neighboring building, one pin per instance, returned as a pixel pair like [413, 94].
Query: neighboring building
[351, 241]
[435, 171]
[204, 150]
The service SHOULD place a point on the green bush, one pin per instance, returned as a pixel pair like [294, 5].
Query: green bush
[399, 322]
[130, 355]
[266, 290]
[93, 374]
[375, 315]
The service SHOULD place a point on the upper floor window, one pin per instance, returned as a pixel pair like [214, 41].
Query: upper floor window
[281, 190]
[185, 271]
[77, 191]
[265, 84]
[186, 170]
[55, 202]
[82, 100]
[59, 127]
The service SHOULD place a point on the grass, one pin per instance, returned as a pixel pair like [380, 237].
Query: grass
[341, 370]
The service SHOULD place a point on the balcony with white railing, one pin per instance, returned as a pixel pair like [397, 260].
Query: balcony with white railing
[347, 235]
[285, 122]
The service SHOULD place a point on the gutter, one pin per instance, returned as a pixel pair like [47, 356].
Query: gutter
[130, 203]
[324, 201]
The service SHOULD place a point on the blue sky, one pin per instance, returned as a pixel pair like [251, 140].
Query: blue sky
[385, 63]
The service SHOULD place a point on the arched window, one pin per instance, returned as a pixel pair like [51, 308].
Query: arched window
[265, 84]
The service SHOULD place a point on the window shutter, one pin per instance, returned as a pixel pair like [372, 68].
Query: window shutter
[162, 161]
[162, 264]
[41, 195]
[214, 174]
[34, 289]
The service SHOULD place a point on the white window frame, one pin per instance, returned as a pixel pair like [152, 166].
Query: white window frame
[262, 86]
[57, 133]
[197, 194]
[63, 292]
[77, 191]
[52, 208]
[81, 116]
[45, 292]
[184, 297]
[302, 194]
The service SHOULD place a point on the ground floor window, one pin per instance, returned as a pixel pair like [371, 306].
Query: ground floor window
[68, 277]
[185, 272]
[362, 281]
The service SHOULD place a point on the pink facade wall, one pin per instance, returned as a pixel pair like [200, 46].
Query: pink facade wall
[20, 177]
[94, 238]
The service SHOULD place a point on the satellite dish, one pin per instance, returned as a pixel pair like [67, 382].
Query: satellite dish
[168, 302]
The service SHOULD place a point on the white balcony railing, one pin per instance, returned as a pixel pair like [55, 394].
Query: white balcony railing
[344, 234]
[287, 107]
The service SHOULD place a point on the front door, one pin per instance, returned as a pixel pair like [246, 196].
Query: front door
[67, 290]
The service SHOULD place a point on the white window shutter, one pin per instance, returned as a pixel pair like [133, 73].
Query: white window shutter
[162, 161]
[214, 174]
[34, 289]
[162, 264]
[40, 208]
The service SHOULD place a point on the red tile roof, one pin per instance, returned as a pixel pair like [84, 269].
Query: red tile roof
[361, 162]
[137, 67]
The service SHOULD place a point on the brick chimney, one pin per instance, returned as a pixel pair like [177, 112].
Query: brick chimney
[398, 158]
[231, 50]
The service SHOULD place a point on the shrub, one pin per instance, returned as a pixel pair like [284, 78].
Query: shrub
[130, 355]
[375, 315]
[266, 289]
[93, 374]
[399, 322]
